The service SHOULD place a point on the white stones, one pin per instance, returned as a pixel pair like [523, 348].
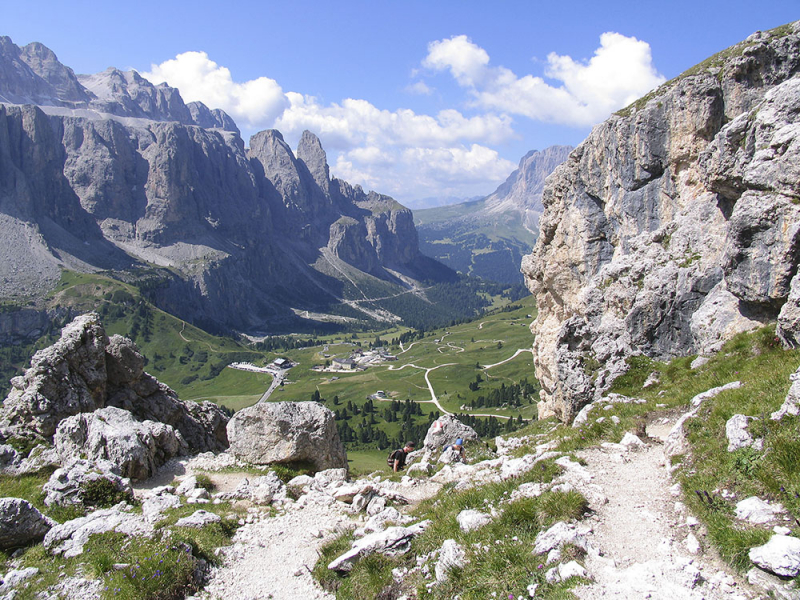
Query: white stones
[700, 398]
[737, 434]
[15, 578]
[692, 544]
[69, 538]
[565, 571]
[393, 541]
[186, 486]
[780, 555]
[632, 442]
[757, 511]
[153, 507]
[198, 519]
[653, 379]
[451, 555]
[791, 405]
[559, 534]
[470, 520]
[698, 362]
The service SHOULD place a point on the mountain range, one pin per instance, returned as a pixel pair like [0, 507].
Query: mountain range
[109, 172]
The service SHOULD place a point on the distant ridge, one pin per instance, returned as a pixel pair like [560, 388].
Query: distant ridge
[488, 237]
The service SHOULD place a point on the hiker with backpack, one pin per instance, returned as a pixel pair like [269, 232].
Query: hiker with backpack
[454, 453]
[397, 459]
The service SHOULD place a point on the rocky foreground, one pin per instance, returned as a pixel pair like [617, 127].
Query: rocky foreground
[633, 536]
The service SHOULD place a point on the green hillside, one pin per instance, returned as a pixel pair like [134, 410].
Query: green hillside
[194, 363]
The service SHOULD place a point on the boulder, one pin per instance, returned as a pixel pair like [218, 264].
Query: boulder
[470, 520]
[559, 534]
[737, 434]
[68, 539]
[451, 556]
[136, 449]
[287, 432]
[21, 523]
[67, 485]
[780, 555]
[791, 405]
[64, 379]
[198, 520]
[392, 542]
[757, 511]
[446, 430]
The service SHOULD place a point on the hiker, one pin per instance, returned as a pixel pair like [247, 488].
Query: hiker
[454, 453]
[397, 459]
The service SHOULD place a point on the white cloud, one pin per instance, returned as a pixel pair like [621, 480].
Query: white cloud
[419, 88]
[251, 104]
[423, 172]
[357, 123]
[620, 71]
[398, 152]
[466, 61]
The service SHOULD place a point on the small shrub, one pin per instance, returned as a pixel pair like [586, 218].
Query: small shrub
[204, 481]
[103, 493]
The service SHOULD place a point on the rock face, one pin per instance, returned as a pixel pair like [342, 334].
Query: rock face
[446, 430]
[674, 225]
[109, 171]
[137, 448]
[84, 372]
[286, 432]
[21, 523]
[67, 486]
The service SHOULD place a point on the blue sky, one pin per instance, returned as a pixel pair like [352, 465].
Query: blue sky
[410, 98]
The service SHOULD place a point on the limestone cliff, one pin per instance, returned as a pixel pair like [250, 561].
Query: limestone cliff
[674, 225]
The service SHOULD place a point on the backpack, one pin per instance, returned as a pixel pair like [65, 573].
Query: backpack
[391, 458]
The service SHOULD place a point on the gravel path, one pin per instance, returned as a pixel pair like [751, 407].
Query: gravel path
[272, 556]
[644, 539]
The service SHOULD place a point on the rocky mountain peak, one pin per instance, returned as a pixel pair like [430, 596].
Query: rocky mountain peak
[522, 191]
[310, 151]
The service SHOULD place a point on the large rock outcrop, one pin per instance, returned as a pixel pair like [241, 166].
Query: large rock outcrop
[137, 448]
[21, 523]
[674, 225]
[85, 371]
[287, 432]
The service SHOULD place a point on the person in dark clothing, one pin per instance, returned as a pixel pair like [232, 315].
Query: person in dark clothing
[397, 459]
